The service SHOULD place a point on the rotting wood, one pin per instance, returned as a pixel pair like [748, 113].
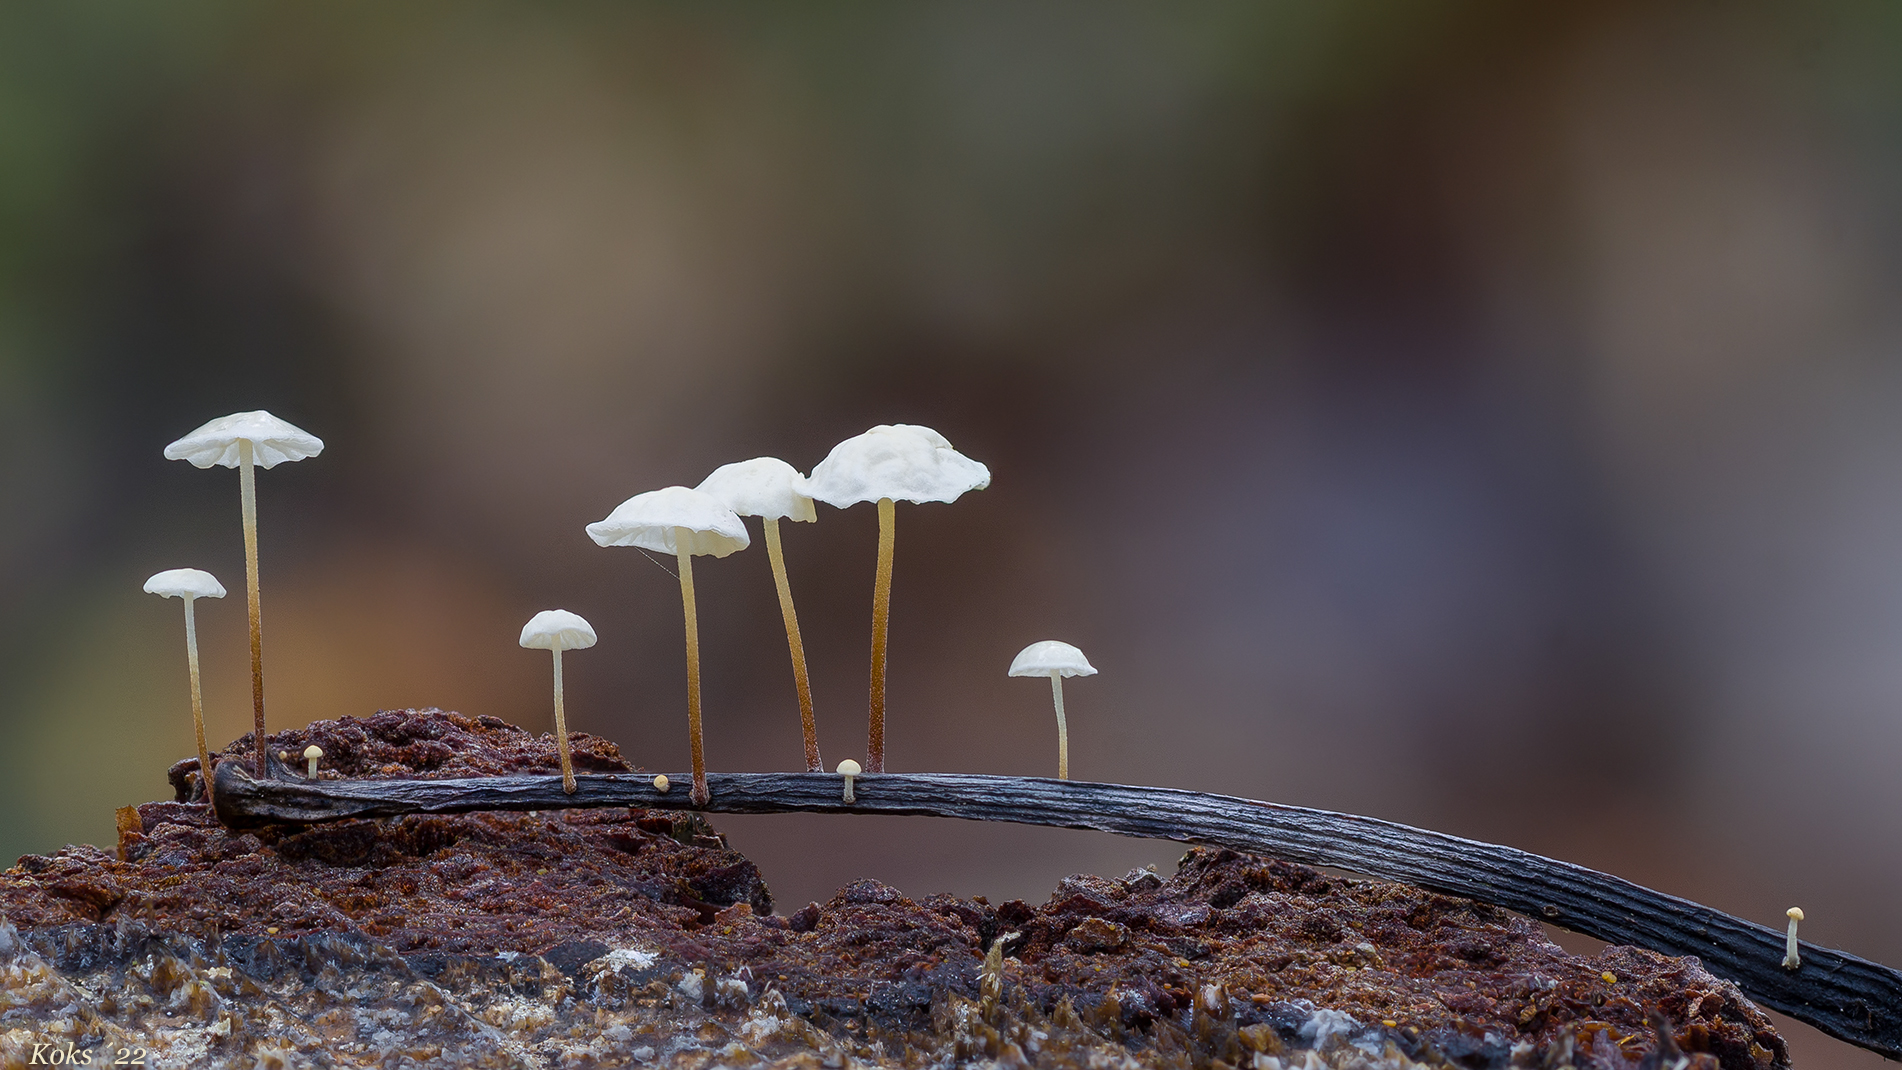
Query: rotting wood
[1850, 998]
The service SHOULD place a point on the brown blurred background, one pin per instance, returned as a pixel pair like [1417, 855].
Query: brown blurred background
[1486, 416]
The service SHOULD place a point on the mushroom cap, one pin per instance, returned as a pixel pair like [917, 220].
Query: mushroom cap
[272, 441]
[658, 520]
[849, 767]
[903, 462]
[1794, 913]
[557, 629]
[1042, 659]
[185, 583]
[763, 486]
[313, 751]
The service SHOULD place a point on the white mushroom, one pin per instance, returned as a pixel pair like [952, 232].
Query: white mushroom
[891, 462]
[242, 441]
[558, 630]
[1792, 960]
[311, 755]
[682, 522]
[187, 584]
[773, 490]
[661, 783]
[1055, 660]
[849, 769]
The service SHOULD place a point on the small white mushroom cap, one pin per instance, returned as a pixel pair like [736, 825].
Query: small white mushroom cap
[185, 583]
[903, 462]
[1042, 659]
[557, 629]
[849, 768]
[313, 751]
[763, 486]
[655, 520]
[273, 441]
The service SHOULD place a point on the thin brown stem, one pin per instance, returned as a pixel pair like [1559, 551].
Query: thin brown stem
[881, 616]
[561, 732]
[198, 702]
[798, 648]
[700, 793]
[248, 496]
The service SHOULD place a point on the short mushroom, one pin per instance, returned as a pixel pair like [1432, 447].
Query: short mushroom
[849, 769]
[243, 440]
[773, 490]
[661, 783]
[1055, 660]
[1792, 960]
[188, 584]
[312, 754]
[682, 522]
[558, 630]
[891, 462]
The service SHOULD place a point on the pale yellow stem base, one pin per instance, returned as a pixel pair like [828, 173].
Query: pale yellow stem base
[198, 700]
[561, 732]
[1063, 733]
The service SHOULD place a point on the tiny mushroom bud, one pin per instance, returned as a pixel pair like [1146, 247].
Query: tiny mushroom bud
[558, 630]
[849, 769]
[311, 754]
[1791, 960]
[187, 584]
[246, 441]
[1055, 660]
[661, 783]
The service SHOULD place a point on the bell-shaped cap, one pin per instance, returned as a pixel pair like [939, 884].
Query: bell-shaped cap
[903, 462]
[185, 583]
[672, 519]
[763, 486]
[1050, 656]
[272, 441]
[557, 629]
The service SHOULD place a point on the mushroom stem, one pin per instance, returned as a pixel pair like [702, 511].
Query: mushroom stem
[881, 615]
[561, 731]
[798, 648]
[701, 796]
[248, 497]
[198, 702]
[1063, 734]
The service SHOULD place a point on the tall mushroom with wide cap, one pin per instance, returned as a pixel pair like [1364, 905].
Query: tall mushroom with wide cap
[891, 463]
[187, 584]
[682, 522]
[244, 440]
[1055, 660]
[771, 489]
[556, 630]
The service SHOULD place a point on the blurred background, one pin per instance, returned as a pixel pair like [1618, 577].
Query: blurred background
[1485, 416]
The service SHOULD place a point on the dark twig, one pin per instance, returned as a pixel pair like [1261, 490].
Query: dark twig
[1847, 997]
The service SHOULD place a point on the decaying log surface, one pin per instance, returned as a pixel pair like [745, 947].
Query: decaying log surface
[1848, 997]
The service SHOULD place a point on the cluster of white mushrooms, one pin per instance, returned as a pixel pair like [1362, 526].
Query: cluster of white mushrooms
[888, 464]
[885, 465]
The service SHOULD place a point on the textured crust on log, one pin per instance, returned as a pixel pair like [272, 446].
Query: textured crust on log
[1838, 993]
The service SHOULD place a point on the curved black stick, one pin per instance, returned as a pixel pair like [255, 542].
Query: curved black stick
[1849, 998]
